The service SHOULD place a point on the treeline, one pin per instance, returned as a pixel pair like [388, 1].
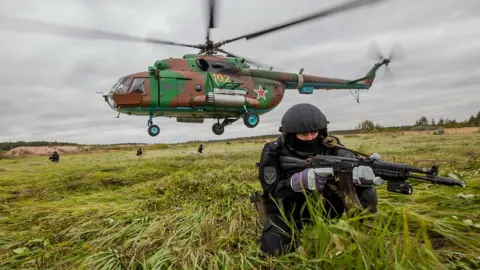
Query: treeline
[5, 146]
[366, 126]
[422, 124]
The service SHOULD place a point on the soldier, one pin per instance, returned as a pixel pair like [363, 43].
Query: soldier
[200, 148]
[54, 157]
[139, 152]
[303, 129]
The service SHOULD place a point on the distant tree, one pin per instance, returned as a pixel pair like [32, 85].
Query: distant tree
[433, 122]
[423, 121]
[451, 123]
[366, 125]
[441, 122]
[476, 119]
[472, 120]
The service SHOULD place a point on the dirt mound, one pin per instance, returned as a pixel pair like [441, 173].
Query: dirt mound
[41, 150]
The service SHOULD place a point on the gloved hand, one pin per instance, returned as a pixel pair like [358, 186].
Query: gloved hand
[364, 176]
[312, 179]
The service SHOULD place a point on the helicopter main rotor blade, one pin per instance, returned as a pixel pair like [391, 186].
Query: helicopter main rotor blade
[211, 16]
[343, 7]
[256, 63]
[32, 26]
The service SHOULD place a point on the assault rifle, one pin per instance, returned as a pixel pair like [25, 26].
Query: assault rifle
[395, 174]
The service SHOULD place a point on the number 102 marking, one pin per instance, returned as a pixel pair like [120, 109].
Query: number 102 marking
[221, 78]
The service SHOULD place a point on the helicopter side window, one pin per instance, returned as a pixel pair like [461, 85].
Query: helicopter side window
[138, 85]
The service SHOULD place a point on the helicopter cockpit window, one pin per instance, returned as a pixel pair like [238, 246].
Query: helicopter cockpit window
[138, 85]
[121, 87]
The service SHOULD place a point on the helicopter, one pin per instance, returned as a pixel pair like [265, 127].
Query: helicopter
[207, 84]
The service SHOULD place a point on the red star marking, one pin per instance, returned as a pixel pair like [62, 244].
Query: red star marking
[261, 93]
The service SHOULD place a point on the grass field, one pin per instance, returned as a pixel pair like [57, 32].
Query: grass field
[174, 208]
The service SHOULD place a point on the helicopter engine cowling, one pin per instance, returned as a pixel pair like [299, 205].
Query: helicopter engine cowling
[226, 100]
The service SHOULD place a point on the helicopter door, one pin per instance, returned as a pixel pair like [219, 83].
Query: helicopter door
[168, 92]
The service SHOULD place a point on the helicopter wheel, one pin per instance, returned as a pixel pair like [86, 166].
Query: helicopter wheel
[251, 119]
[218, 129]
[153, 130]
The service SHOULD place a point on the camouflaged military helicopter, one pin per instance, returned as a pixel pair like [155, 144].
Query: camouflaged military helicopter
[209, 85]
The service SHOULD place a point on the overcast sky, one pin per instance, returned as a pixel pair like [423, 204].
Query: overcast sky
[49, 84]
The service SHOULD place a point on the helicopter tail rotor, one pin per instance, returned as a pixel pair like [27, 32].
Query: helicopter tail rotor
[396, 53]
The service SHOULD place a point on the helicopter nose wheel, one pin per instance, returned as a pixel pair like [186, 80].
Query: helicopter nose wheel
[153, 130]
[251, 119]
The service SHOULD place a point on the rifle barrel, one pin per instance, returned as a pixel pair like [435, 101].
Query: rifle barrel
[438, 180]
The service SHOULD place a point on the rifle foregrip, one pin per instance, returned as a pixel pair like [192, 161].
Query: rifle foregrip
[390, 170]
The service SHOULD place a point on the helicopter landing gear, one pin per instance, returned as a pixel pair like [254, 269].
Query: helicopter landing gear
[218, 128]
[251, 119]
[153, 130]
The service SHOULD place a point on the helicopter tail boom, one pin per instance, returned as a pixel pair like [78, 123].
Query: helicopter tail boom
[305, 84]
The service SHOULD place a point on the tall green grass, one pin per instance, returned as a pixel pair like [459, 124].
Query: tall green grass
[177, 209]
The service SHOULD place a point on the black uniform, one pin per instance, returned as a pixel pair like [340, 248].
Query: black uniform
[275, 182]
[200, 148]
[139, 152]
[54, 157]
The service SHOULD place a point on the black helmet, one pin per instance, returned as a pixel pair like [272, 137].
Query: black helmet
[303, 118]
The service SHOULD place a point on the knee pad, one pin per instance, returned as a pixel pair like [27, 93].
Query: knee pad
[272, 241]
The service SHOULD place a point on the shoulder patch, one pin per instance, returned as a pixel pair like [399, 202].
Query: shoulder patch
[269, 174]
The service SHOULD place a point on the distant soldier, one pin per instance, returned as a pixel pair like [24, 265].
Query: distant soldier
[54, 157]
[139, 152]
[200, 148]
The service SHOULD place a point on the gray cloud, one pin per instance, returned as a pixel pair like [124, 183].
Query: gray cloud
[49, 83]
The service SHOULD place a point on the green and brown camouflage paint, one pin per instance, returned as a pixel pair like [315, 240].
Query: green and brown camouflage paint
[178, 87]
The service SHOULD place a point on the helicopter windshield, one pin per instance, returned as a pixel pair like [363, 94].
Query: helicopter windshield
[121, 87]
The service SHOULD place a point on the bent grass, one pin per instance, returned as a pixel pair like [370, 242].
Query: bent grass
[177, 209]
